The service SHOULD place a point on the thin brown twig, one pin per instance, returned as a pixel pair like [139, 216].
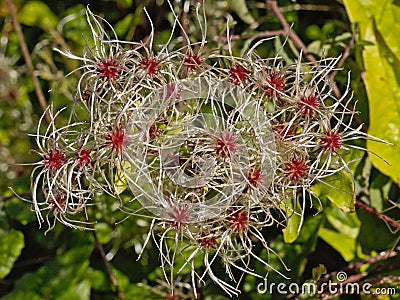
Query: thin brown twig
[108, 267]
[262, 34]
[28, 60]
[378, 215]
[292, 35]
[4, 199]
[297, 40]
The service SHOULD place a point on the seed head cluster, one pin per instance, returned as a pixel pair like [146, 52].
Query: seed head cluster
[209, 144]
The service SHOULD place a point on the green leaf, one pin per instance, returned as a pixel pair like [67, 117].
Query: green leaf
[11, 245]
[379, 191]
[318, 271]
[374, 234]
[348, 224]
[80, 291]
[20, 211]
[104, 232]
[123, 25]
[378, 23]
[383, 88]
[36, 13]
[339, 189]
[240, 8]
[120, 181]
[22, 295]
[342, 243]
[341, 231]
[292, 229]
[59, 278]
[98, 280]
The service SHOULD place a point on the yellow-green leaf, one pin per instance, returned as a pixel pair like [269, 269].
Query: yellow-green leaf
[175, 130]
[292, 229]
[120, 181]
[378, 24]
[339, 189]
[342, 243]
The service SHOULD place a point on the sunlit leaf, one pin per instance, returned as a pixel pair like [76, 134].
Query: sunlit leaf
[318, 271]
[80, 291]
[104, 232]
[120, 181]
[348, 224]
[342, 243]
[341, 231]
[379, 191]
[339, 189]
[378, 23]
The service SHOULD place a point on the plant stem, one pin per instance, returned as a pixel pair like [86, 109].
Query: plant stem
[378, 215]
[292, 35]
[108, 267]
[28, 60]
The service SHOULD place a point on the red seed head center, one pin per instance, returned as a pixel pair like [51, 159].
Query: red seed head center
[331, 141]
[54, 159]
[226, 145]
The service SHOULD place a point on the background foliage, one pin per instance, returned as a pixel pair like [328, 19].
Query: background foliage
[66, 264]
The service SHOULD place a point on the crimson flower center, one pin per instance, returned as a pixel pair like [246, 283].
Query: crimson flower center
[179, 216]
[58, 203]
[192, 62]
[331, 141]
[116, 139]
[108, 69]
[209, 242]
[296, 169]
[151, 65]
[308, 105]
[54, 159]
[84, 157]
[239, 220]
[239, 74]
[275, 83]
[226, 145]
[254, 178]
